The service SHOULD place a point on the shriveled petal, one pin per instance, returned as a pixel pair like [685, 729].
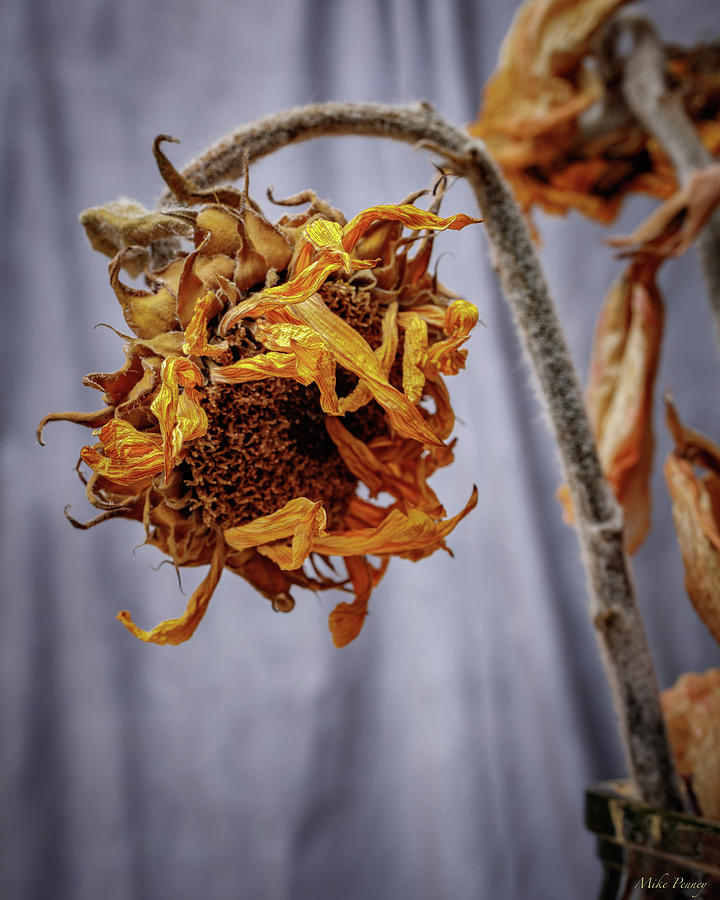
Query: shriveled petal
[403, 477]
[255, 368]
[415, 350]
[445, 356]
[692, 712]
[127, 456]
[296, 351]
[181, 417]
[196, 342]
[302, 286]
[385, 353]
[346, 620]
[300, 518]
[176, 631]
[326, 236]
[696, 514]
[623, 369]
[410, 216]
[442, 421]
[413, 535]
[354, 353]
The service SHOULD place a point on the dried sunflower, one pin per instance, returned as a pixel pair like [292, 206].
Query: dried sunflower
[274, 369]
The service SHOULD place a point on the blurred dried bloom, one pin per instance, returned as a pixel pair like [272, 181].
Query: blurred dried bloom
[692, 713]
[273, 368]
[554, 120]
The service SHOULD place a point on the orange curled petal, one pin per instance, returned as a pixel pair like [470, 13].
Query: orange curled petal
[300, 518]
[178, 372]
[326, 236]
[403, 476]
[413, 536]
[176, 631]
[290, 558]
[299, 288]
[255, 368]
[445, 356]
[196, 342]
[354, 353]
[385, 353]
[296, 352]
[410, 216]
[414, 356]
[127, 455]
[346, 620]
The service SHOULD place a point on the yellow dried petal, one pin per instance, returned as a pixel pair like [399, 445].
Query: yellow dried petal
[410, 216]
[181, 418]
[413, 535]
[298, 289]
[296, 351]
[255, 368]
[176, 631]
[414, 358]
[300, 518]
[445, 356]
[196, 342]
[385, 353]
[327, 236]
[355, 354]
[128, 456]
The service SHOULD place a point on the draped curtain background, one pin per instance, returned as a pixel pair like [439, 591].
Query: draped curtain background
[444, 753]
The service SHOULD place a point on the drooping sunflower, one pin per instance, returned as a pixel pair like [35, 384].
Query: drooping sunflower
[273, 370]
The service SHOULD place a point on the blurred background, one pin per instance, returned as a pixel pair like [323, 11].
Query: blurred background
[444, 753]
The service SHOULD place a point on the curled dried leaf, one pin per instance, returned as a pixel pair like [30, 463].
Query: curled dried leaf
[692, 712]
[623, 369]
[696, 514]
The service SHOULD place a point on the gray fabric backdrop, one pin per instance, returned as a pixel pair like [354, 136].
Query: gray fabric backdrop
[445, 752]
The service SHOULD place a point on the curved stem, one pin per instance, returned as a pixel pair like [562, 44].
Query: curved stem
[661, 111]
[618, 626]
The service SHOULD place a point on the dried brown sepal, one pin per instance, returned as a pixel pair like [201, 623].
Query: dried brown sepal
[623, 368]
[696, 513]
[124, 223]
[692, 712]
[94, 419]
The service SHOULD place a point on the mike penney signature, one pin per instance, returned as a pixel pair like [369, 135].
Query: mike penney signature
[665, 881]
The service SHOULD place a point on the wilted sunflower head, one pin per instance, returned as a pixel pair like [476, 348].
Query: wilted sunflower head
[274, 369]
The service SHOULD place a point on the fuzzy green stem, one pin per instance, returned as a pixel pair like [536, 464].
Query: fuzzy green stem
[613, 608]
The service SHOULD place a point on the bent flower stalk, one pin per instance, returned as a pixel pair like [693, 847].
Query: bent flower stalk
[277, 378]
